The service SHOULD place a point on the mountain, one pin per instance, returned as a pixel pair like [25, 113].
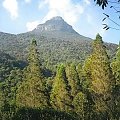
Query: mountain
[58, 28]
[57, 42]
[55, 24]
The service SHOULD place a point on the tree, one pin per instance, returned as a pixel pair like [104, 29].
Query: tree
[32, 92]
[99, 72]
[11, 84]
[116, 71]
[114, 5]
[60, 95]
[80, 105]
[102, 3]
[116, 66]
[84, 82]
[8, 94]
[73, 79]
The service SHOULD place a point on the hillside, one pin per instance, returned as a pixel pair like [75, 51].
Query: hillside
[57, 42]
[34, 85]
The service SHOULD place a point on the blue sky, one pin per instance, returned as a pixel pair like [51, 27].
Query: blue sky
[18, 16]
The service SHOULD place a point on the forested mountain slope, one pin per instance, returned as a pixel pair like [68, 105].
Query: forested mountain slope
[57, 42]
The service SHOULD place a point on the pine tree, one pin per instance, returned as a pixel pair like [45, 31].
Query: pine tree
[80, 71]
[32, 92]
[116, 66]
[8, 94]
[10, 85]
[85, 94]
[116, 71]
[80, 105]
[84, 82]
[60, 95]
[73, 79]
[99, 73]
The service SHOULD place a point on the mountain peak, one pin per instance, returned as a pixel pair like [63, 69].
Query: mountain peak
[54, 24]
[57, 18]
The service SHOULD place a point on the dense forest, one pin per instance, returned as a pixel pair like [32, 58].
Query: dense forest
[73, 91]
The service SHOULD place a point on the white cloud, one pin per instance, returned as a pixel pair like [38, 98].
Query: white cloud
[28, 1]
[12, 7]
[42, 3]
[32, 25]
[70, 11]
[87, 1]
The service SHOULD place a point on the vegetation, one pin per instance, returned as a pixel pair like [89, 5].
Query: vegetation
[116, 71]
[102, 80]
[114, 6]
[55, 46]
[32, 92]
[74, 91]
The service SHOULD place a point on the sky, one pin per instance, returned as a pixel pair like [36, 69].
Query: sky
[19, 16]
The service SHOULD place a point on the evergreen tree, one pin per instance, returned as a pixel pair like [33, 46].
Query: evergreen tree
[8, 93]
[80, 105]
[11, 84]
[32, 92]
[60, 95]
[116, 66]
[73, 79]
[99, 73]
[116, 71]
[84, 82]
[80, 71]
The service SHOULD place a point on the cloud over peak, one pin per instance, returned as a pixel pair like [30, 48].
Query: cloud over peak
[70, 11]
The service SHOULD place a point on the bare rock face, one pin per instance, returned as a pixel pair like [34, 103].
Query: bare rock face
[55, 24]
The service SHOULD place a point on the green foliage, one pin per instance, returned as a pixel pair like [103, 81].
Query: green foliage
[116, 66]
[73, 79]
[32, 92]
[116, 71]
[54, 47]
[80, 105]
[99, 72]
[73, 92]
[8, 94]
[11, 84]
[44, 114]
[60, 95]
[98, 68]
[84, 81]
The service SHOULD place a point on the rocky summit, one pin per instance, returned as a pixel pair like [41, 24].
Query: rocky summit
[55, 24]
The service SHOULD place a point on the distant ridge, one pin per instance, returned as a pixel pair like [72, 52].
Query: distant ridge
[57, 42]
